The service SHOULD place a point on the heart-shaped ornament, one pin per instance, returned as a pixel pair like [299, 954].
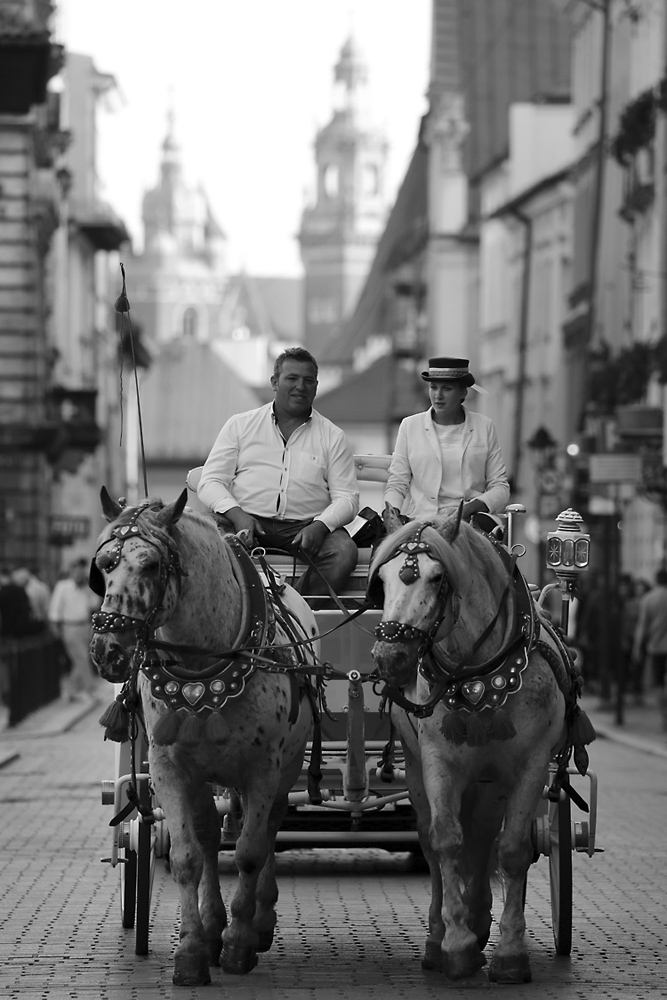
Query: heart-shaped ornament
[193, 692]
[473, 691]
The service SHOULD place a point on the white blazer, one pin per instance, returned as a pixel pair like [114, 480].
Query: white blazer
[416, 465]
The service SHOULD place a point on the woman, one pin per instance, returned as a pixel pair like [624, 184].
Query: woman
[447, 454]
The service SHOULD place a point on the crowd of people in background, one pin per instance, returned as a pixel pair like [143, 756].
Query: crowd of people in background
[622, 634]
[29, 609]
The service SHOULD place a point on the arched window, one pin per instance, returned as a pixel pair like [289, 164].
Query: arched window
[190, 323]
[330, 180]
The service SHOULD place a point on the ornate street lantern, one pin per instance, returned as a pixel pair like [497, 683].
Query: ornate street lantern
[568, 555]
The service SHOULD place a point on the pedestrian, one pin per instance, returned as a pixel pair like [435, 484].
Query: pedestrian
[650, 639]
[592, 635]
[72, 604]
[16, 618]
[447, 453]
[630, 593]
[39, 594]
[286, 475]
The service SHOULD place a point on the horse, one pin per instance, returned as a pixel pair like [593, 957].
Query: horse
[482, 691]
[187, 625]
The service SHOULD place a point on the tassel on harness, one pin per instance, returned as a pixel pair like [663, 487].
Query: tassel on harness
[116, 721]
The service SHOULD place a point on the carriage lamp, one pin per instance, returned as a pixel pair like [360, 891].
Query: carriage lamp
[568, 548]
[568, 553]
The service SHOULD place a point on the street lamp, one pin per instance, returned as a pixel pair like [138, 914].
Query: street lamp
[543, 446]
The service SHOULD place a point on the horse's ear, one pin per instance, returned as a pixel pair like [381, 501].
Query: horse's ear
[456, 527]
[459, 518]
[170, 514]
[110, 508]
[390, 518]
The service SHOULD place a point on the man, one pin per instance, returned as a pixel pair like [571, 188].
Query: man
[285, 474]
[651, 636]
[38, 593]
[70, 610]
[16, 619]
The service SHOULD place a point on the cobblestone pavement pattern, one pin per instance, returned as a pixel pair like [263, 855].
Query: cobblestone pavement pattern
[351, 923]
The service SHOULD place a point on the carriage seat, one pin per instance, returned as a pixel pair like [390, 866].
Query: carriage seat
[370, 469]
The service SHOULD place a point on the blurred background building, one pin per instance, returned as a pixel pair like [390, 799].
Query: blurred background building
[528, 234]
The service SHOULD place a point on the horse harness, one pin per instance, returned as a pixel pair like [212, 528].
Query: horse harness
[474, 694]
[197, 697]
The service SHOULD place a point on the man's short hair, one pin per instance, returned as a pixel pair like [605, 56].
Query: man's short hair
[661, 577]
[293, 354]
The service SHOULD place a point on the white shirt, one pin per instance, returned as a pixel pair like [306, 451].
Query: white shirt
[311, 475]
[450, 439]
[72, 605]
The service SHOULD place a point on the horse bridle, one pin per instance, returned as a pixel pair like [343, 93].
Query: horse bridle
[395, 631]
[107, 621]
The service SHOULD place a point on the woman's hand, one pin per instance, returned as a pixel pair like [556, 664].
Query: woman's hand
[471, 507]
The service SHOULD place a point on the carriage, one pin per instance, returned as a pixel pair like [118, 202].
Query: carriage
[360, 796]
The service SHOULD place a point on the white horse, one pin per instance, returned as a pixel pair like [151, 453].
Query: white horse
[477, 680]
[181, 621]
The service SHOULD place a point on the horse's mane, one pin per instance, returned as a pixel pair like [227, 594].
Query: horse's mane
[470, 552]
[149, 508]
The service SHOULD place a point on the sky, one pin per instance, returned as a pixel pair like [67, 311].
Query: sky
[249, 82]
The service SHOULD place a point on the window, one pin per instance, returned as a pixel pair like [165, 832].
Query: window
[370, 179]
[330, 180]
[190, 323]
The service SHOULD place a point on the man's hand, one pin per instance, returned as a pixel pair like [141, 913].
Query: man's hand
[311, 537]
[244, 522]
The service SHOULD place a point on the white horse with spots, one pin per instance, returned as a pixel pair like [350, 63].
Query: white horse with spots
[181, 619]
[483, 694]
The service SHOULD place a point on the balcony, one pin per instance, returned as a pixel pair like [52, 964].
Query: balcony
[27, 60]
[100, 224]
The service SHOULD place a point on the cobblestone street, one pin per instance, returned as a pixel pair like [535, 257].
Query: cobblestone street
[350, 923]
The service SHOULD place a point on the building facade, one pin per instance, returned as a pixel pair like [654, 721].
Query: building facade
[53, 228]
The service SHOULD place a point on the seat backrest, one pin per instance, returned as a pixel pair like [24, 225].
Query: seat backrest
[370, 469]
[193, 477]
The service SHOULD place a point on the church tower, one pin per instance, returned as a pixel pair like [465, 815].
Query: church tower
[176, 286]
[340, 231]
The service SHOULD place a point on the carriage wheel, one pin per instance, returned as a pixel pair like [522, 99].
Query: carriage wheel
[128, 886]
[145, 869]
[560, 874]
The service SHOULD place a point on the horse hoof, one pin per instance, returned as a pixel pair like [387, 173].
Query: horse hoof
[463, 964]
[432, 956]
[510, 969]
[191, 971]
[214, 953]
[264, 940]
[240, 964]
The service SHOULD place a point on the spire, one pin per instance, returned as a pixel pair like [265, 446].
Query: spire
[171, 151]
[351, 80]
